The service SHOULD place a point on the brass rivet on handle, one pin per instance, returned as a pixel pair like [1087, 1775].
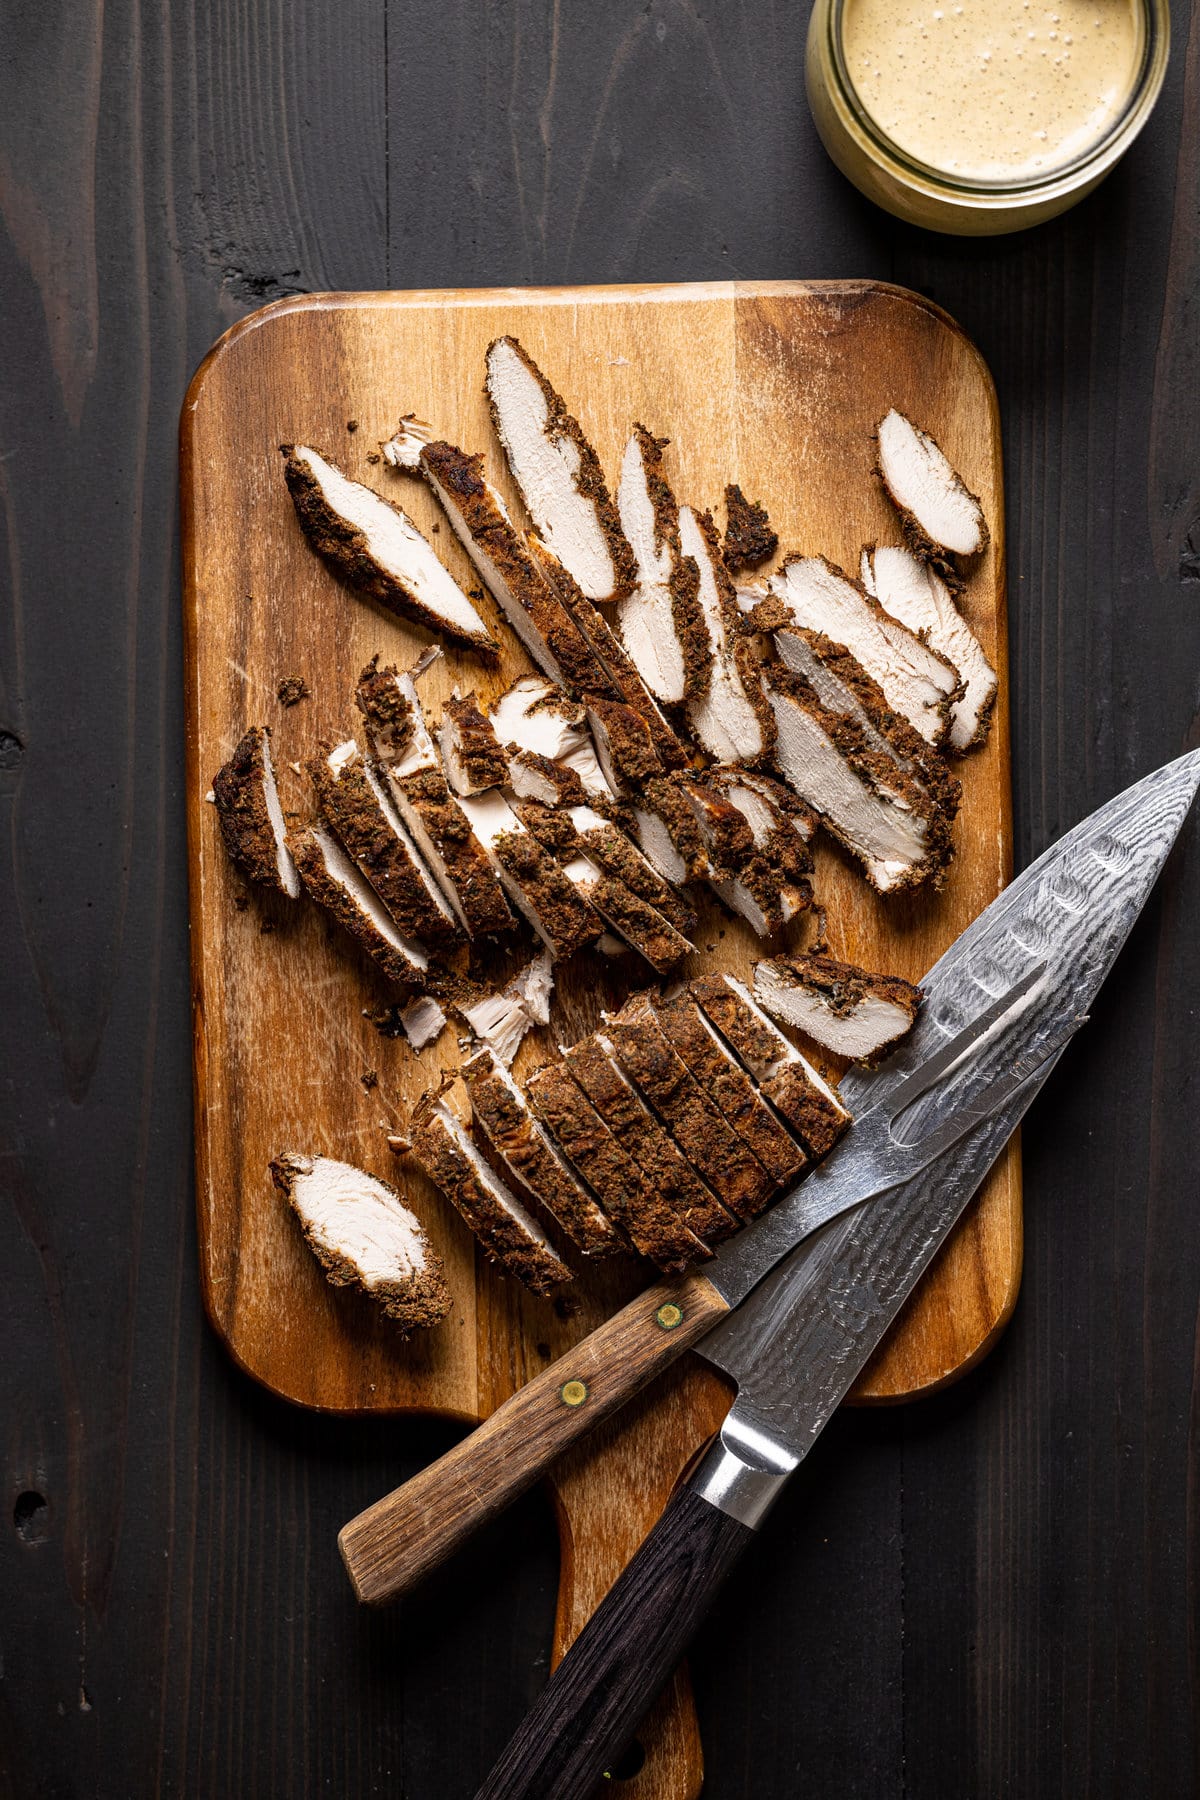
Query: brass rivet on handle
[573, 1393]
[669, 1316]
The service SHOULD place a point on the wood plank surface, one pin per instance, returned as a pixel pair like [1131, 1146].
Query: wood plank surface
[989, 1593]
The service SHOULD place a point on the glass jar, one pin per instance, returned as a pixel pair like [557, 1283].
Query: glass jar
[937, 199]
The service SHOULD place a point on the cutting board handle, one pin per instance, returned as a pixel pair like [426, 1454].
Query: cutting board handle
[391, 1546]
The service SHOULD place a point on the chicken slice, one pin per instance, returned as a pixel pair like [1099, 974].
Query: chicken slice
[813, 594]
[364, 1236]
[781, 826]
[641, 927]
[506, 1232]
[660, 622]
[608, 846]
[250, 816]
[412, 771]
[503, 557]
[665, 1172]
[360, 811]
[847, 1010]
[878, 813]
[667, 833]
[915, 593]
[502, 1114]
[335, 883]
[543, 781]
[623, 681]
[530, 876]
[377, 550]
[724, 710]
[624, 745]
[471, 752]
[797, 1091]
[558, 473]
[650, 1224]
[843, 686]
[937, 511]
[727, 1164]
[730, 1088]
[535, 715]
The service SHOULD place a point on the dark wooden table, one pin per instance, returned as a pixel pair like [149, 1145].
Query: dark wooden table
[991, 1593]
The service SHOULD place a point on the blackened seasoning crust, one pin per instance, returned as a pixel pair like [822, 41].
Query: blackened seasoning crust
[652, 1226]
[505, 1231]
[666, 1175]
[520, 1141]
[379, 552]
[749, 539]
[244, 790]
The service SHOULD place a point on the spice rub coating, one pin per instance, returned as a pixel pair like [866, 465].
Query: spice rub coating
[665, 1170]
[653, 1227]
[358, 810]
[722, 1077]
[521, 1143]
[795, 1089]
[507, 1234]
[364, 1236]
[334, 882]
[470, 749]
[749, 539]
[250, 816]
[726, 1163]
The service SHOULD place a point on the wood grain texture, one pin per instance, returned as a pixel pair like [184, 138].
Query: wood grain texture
[280, 1033]
[991, 1592]
[396, 1543]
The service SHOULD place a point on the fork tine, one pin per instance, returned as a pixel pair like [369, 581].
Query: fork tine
[934, 1067]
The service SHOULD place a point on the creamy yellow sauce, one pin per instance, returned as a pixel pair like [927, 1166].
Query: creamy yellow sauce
[993, 90]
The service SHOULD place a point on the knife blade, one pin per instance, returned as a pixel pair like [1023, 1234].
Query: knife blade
[813, 1318]
[1005, 998]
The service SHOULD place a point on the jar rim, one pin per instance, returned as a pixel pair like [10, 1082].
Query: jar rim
[1143, 92]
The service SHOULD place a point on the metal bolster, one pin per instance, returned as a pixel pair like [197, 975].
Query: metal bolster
[743, 1472]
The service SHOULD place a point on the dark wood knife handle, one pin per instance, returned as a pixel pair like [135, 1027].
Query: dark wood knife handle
[388, 1548]
[613, 1672]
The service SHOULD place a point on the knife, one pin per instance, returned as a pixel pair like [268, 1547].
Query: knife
[816, 1283]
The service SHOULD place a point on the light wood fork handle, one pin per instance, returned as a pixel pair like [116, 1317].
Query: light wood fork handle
[391, 1546]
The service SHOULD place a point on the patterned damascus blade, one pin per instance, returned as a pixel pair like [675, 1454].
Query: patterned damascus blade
[1000, 1007]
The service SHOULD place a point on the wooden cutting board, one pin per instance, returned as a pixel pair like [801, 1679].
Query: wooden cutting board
[776, 385]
